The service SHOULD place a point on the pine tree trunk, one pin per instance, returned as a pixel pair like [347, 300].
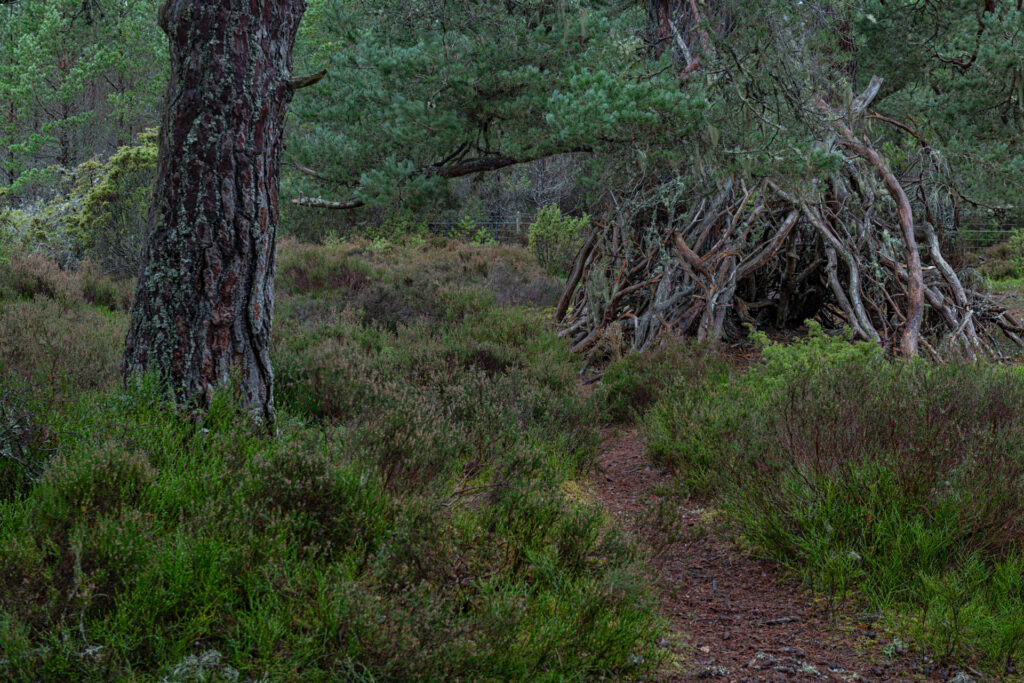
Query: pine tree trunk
[205, 298]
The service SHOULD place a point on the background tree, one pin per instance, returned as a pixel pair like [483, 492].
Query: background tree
[650, 110]
[205, 300]
[78, 79]
[958, 80]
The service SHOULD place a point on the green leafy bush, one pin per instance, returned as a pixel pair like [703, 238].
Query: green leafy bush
[115, 208]
[554, 239]
[1016, 248]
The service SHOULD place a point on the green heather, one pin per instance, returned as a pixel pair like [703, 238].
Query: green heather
[412, 519]
[897, 486]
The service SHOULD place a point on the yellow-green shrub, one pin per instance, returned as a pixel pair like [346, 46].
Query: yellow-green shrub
[555, 239]
[114, 210]
[97, 210]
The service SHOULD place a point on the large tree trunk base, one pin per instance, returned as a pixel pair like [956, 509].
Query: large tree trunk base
[205, 299]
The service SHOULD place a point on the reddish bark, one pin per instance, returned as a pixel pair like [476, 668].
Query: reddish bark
[205, 299]
[915, 275]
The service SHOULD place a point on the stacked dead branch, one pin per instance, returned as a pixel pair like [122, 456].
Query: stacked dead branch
[865, 250]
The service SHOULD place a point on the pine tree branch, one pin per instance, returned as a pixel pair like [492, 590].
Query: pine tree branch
[481, 165]
[317, 203]
[306, 81]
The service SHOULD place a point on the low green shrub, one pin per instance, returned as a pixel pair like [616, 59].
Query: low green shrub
[408, 522]
[1004, 261]
[396, 227]
[632, 385]
[554, 239]
[471, 232]
[7, 237]
[1015, 245]
[899, 481]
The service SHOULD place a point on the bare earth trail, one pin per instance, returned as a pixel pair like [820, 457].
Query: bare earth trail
[740, 618]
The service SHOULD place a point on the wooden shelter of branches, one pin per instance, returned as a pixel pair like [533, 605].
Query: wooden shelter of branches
[865, 250]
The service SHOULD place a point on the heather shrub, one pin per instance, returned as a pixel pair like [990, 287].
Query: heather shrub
[308, 269]
[424, 402]
[100, 481]
[409, 520]
[60, 351]
[697, 432]
[391, 306]
[28, 276]
[98, 289]
[631, 385]
[326, 372]
[328, 506]
[25, 444]
[512, 288]
[903, 482]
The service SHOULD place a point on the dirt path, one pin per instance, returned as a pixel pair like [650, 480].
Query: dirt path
[740, 618]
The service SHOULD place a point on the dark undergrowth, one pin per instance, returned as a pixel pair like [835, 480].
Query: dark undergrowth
[896, 484]
[412, 520]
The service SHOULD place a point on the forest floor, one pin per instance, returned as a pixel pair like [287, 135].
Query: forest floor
[743, 619]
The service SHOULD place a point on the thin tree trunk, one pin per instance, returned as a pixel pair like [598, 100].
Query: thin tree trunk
[915, 283]
[205, 298]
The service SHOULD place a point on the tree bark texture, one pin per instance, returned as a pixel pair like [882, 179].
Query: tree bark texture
[671, 26]
[205, 298]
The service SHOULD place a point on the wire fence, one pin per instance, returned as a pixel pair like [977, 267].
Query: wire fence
[970, 238]
[505, 232]
[978, 238]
